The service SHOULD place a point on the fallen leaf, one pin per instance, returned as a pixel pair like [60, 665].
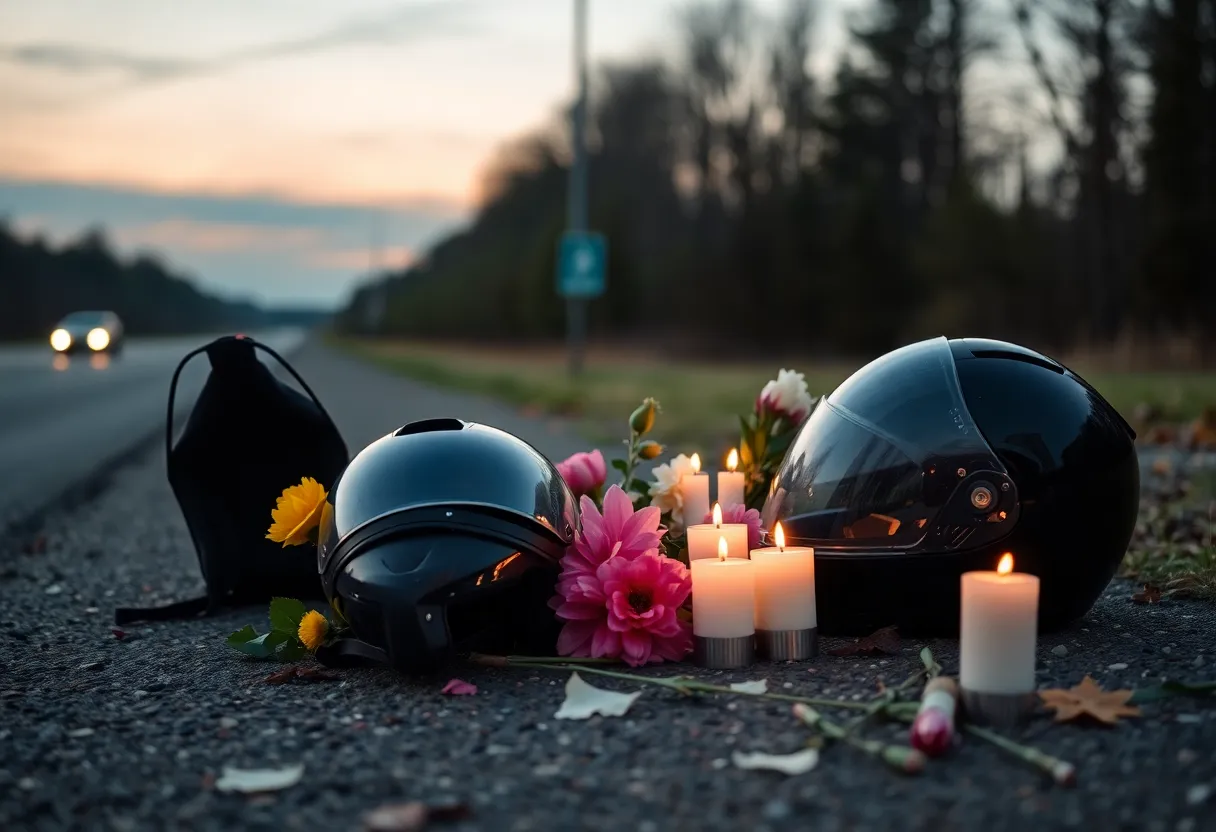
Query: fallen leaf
[254, 781]
[758, 686]
[119, 634]
[408, 817]
[459, 687]
[584, 700]
[1150, 595]
[316, 674]
[881, 641]
[800, 762]
[281, 677]
[1088, 698]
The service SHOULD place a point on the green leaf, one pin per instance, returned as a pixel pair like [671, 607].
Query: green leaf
[290, 651]
[778, 445]
[241, 636]
[746, 427]
[285, 615]
[620, 465]
[263, 646]
[1172, 687]
[640, 487]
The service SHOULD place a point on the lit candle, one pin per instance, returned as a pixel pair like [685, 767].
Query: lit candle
[694, 488]
[723, 609]
[703, 537]
[730, 482]
[786, 621]
[997, 634]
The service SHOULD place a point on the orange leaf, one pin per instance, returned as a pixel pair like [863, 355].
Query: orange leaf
[1088, 699]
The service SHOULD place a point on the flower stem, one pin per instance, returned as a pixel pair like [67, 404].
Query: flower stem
[1062, 772]
[681, 684]
[901, 758]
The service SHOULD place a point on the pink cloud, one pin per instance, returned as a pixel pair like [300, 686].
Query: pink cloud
[360, 259]
[198, 236]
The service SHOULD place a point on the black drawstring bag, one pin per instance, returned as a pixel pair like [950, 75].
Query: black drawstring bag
[249, 437]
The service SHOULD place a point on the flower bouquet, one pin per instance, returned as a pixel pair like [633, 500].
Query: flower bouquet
[624, 584]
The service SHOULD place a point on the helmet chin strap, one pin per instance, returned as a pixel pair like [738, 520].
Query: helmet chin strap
[350, 652]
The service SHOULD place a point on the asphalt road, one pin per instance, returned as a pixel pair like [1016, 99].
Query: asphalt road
[98, 732]
[63, 419]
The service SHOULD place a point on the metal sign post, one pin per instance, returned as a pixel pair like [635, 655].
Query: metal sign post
[581, 256]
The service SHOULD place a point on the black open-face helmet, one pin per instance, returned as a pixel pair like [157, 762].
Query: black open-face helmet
[441, 537]
[938, 458]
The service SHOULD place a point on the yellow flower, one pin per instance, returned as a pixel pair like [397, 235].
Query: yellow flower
[313, 627]
[298, 512]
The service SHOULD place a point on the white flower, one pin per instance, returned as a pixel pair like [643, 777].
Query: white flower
[667, 492]
[786, 395]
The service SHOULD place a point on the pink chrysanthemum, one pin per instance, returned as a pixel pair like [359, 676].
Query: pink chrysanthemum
[616, 594]
[738, 513]
[628, 611]
[618, 532]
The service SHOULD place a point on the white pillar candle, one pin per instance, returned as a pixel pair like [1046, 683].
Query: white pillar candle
[785, 586]
[703, 537]
[998, 630]
[730, 482]
[723, 596]
[694, 489]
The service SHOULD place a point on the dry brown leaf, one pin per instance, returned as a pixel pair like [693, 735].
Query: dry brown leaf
[1088, 699]
[1150, 595]
[881, 641]
[281, 677]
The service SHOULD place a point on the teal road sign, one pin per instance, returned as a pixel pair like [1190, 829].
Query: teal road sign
[582, 264]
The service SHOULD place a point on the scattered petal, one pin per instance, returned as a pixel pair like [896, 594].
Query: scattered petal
[459, 687]
[800, 762]
[584, 700]
[758, 686]
[253, 781]
[80, 733]
[408, 817]
[53, 589]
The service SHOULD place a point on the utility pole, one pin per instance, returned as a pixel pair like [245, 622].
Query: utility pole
[576, 210]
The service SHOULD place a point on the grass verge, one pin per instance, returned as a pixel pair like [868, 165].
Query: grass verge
[701, 401]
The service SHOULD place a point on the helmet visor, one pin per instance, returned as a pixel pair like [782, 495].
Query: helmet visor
[878, 459]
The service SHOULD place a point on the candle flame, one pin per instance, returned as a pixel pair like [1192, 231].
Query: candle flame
[1006, 564]
[732, 460]
[717, 514]
[722, 550]
[696, 463]
[779, 536]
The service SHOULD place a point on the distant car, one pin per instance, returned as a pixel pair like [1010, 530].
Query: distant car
[91, 331]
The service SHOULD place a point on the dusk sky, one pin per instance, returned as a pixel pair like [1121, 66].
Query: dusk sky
[263, 146]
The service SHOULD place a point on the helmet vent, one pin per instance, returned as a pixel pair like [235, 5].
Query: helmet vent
[1018, 356]
[429, 425]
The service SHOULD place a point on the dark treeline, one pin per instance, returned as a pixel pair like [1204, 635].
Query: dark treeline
[40, 284]
[748, 202]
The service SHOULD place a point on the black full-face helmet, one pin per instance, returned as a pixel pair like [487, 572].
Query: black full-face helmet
[938, 458]
[441, 537]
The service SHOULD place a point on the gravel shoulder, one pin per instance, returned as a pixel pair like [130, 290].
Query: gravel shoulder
[102, 733]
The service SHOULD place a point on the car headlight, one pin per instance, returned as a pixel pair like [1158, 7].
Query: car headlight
[61, 339]
[98, 339]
